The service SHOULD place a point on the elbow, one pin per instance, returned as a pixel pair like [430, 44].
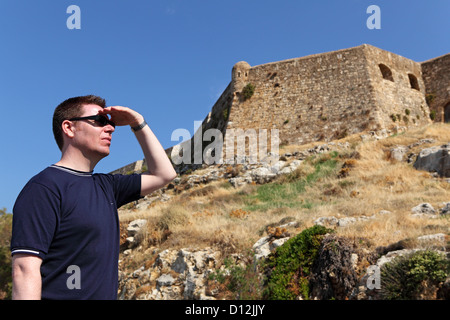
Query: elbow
[151, 182]
[170, 176]
[165, 179]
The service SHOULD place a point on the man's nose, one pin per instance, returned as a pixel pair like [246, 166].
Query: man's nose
[109, 128]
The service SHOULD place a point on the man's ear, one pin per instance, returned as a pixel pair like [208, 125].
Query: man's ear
[68, 128]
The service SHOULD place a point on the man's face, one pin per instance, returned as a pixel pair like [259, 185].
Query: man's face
[91, 138]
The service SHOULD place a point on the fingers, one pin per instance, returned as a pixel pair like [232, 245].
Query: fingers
[123, 115]
[114, 108]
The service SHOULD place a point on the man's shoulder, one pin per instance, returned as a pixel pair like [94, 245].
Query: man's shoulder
[51, 177]
[49, 174]
[42, 184]
[46, 175]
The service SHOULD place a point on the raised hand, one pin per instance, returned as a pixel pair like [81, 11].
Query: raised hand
[123, 116]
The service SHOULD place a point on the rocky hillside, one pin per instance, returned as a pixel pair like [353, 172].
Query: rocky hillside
[364, 217]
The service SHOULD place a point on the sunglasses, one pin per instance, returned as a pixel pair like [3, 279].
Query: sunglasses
[101, 120]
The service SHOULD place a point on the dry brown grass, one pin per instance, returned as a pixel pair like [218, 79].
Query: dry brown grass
[216, 215]
[383, 184]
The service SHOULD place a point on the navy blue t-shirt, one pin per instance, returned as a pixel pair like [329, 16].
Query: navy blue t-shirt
[69, 219]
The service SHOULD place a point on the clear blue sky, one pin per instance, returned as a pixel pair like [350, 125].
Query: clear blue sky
[170, 60]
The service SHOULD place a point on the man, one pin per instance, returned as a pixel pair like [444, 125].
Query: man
[65, 238]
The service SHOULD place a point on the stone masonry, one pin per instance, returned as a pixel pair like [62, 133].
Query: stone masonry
[436, 75]
[330, 95]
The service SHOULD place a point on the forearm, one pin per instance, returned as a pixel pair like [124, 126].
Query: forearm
[160, 168]
[157, 161]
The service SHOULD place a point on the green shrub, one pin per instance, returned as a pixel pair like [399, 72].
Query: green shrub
[430, 98]
[405, 119]
[433, 114]
[289, 267]
[407, 277]
[225, 114]
[248, 91]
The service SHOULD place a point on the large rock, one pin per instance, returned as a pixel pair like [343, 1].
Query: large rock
[424, 209]
[262, 175]
[135, 226]
[135, 234]
[335, 271]
[399, 153]
[446, 209]
[266, 245]
[435, 159]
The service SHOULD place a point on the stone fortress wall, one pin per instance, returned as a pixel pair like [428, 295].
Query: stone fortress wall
[436, 75]
[330, 95]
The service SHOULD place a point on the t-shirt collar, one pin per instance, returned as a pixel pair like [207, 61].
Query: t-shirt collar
[73, 171]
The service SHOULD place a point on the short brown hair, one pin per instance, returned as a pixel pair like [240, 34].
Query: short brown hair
[71, 108]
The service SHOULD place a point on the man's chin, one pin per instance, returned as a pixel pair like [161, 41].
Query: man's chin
[104, 152]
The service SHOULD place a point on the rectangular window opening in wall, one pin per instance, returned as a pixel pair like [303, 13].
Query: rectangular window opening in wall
[413, 81]
[386, 72]
[447, 113]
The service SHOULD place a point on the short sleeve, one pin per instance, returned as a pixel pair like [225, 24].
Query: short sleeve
[127, 188]
[35, 219]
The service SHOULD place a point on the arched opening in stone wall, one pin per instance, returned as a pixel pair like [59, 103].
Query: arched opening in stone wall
[447, 113]
[386, 72]
[413, 81]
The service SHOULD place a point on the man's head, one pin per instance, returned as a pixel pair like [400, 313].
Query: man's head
[71, 108]
[79, 125]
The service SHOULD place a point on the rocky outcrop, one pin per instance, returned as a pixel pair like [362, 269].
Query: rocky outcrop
[422, 210]
[335, 272]
[435, 159]
[277, 235]
[427, 210]
[174, 275]
[404, 153]
[246, 172]
[135, 233]
[332, 221]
